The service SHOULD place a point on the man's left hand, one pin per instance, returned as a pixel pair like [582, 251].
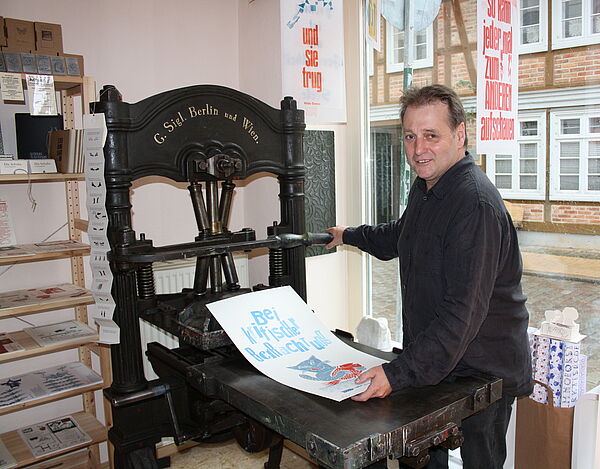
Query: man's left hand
[379, 387]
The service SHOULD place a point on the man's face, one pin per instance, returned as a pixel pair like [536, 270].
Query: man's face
[431, 146]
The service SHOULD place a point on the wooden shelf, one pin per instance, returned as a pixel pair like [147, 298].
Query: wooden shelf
[61, 82]
[44, 177]
[18, 449]
[44, 256]
[33, 384]
[32, 349]
[45, 400]
[41, 305]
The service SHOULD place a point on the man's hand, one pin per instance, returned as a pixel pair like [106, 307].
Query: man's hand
[379, 387]
[337, 232]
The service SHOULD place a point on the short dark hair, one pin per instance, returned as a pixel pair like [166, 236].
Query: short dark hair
[431, 94]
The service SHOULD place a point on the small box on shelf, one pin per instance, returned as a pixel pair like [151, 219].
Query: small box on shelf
[44, 64]
[12, 61]
[48, 38]
[20, 35]
[2, 33]
[74, 64]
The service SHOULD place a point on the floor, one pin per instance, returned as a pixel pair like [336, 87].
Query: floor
[231, 456]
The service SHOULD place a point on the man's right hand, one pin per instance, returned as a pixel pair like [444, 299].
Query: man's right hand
[337, 232]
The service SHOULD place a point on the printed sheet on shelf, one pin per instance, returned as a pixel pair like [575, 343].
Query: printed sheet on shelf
[280, 335]
[49, 437]
[59, 333]
[20, 250]
[9, 344]
[6, 459]
[45, 383]
[34, 296]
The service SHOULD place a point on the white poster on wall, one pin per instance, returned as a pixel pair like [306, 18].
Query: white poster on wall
[497, 76]
[312, 48]
[280, 335]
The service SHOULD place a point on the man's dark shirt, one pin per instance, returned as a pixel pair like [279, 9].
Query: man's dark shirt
[460, 267]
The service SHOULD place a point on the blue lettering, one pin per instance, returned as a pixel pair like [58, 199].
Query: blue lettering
[253, 354]
[248, 335]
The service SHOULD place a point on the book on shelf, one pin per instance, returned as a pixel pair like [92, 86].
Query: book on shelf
[47, 382]
[52, 436]
[66, 148]
[35, 296]
[59, 333]
[9, 344]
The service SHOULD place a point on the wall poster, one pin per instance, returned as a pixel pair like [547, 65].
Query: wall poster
[497, 76]
[312, 48]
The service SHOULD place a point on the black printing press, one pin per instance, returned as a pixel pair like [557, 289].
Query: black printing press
[209, 136]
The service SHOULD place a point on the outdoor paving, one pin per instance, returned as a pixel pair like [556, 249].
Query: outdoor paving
[545, 291]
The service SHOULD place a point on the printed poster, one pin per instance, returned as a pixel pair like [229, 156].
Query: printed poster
[47, 382]
[59, 333]
[497, 76]
[53, 436]
[42, 96]
[280, 336]
[312, 48]
[373, 22]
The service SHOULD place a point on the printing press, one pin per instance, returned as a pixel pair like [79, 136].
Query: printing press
[208, 137]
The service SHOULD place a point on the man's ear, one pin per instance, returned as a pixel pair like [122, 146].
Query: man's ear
[460, 134]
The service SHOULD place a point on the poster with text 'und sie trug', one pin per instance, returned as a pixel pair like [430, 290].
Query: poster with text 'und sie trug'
[312, 58]
[280, 336]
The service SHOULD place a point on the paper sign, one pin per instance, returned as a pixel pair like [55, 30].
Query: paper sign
[312, 43]
[42, 97]
[498, 76]
[12, 87]
[279, 335]
[7, 232]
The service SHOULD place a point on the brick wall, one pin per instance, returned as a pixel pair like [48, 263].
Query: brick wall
[577, 66]
[533, 212]
[588, 214]
[531, 71]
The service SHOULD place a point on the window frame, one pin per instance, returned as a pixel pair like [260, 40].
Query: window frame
[586, 38]
[394, 67]
[542, 44]
[583, 194]
[540, 139]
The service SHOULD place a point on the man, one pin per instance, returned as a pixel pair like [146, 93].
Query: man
[460, 266]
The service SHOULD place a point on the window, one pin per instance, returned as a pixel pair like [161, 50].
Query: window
[394, 50]
[522, 176]
[575, 23]
[575, 156]
[533, 37]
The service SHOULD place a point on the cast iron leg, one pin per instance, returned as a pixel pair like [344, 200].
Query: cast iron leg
[275, 453]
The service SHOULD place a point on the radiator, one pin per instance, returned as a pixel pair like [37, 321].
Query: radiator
[172, 277]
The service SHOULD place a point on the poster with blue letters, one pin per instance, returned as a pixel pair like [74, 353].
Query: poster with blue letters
[279, 335]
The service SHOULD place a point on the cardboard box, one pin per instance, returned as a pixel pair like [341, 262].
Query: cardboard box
[20, 35]
[2, 33]
[48, 38]
[74, 65]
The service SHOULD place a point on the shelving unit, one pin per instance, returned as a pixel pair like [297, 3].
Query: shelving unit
[70, 87]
